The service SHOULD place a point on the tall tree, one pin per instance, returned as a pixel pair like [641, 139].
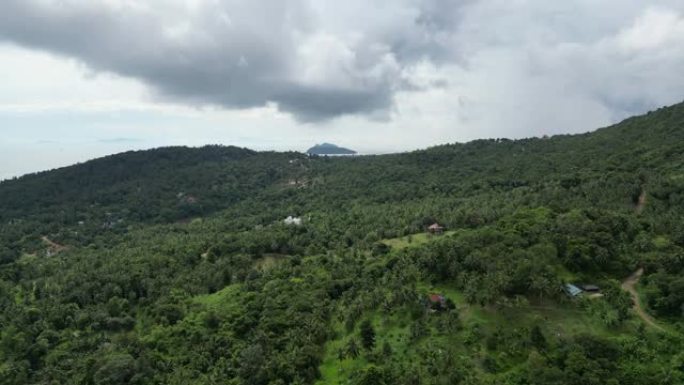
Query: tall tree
[537, 338]
[367, 335]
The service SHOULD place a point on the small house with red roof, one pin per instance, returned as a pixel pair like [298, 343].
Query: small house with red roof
[437, 301]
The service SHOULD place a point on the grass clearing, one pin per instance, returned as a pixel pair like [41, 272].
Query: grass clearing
[661, 242]
[221, 299]
[390, 328]
[268, 261]
[414, 240]
[557, 321]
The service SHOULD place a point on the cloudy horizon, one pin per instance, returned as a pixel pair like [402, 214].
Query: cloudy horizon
[87, 79]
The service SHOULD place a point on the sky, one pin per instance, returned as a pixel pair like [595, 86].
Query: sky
[82, 79]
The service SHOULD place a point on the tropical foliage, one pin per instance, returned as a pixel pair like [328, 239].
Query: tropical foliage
[174, 266]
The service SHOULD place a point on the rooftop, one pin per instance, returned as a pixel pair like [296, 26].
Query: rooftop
[572, 290]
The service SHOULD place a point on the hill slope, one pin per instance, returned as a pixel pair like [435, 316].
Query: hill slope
[174, 266]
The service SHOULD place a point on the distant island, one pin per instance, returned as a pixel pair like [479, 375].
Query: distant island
[329, 149]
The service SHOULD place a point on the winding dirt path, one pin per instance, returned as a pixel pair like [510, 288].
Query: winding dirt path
[641, 203]
[54, 246]
[629, 286]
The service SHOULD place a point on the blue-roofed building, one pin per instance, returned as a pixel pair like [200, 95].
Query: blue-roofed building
[572, 290]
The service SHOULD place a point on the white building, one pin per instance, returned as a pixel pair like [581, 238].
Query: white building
[297, 221]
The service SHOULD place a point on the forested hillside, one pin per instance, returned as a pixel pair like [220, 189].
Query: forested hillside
[175, 265]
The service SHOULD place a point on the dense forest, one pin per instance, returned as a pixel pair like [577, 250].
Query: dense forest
[222, 265]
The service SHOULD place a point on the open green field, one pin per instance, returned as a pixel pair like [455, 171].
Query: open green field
[414, 240]
[557, 321]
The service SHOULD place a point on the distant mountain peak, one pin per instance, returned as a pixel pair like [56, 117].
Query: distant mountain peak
[329, 149]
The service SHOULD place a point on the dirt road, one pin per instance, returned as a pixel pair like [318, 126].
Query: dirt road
[641, 203]
[629, 286]
[55, 247]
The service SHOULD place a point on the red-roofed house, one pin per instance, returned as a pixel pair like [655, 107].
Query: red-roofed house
[436, 298]
[437, 301]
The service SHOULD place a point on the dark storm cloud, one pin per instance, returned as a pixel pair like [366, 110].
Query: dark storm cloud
[316, 104]
[231, 59]
[235, 54]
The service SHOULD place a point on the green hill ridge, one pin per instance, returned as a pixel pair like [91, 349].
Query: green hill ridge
[175, 265]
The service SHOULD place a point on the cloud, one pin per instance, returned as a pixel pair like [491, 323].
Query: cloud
[526, 68]
[496, 67]
[235, 54]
